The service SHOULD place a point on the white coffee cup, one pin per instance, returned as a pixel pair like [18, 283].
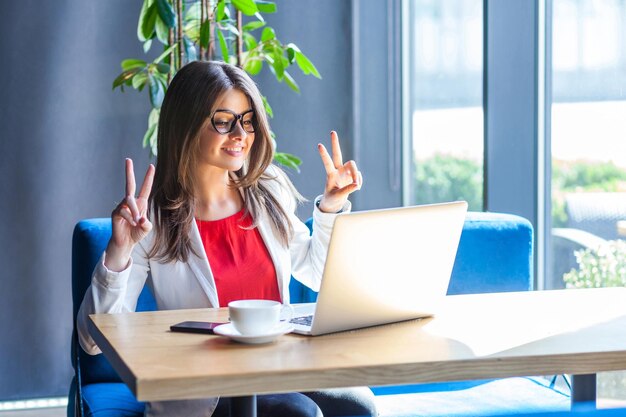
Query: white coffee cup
[257, 317]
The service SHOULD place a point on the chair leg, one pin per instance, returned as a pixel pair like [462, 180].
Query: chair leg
[72, 401]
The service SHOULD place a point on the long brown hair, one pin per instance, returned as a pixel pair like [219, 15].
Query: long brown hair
[187, 106]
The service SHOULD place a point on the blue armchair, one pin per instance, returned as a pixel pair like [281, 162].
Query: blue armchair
[495, 254]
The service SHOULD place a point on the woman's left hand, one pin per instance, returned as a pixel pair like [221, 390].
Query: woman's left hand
[341, 179]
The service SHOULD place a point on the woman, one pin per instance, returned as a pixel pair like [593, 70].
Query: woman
[219, 224]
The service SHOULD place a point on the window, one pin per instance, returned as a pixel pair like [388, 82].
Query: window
[589, 151]
[445, 54]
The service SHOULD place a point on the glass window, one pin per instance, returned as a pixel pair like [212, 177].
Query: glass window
[589, 151]
[445, 98]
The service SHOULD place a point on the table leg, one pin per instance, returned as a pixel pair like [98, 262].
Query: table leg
[243, 406]
[584, 390]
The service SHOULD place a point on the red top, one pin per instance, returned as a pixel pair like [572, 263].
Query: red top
[240, 262]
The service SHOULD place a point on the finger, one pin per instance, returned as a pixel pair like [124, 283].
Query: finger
[145, 224]
[146, 187]
[360, 180]
[353, 170]
[328, 163]
[124, 213]
[348, 189]
[334, 142]
[132, 205]
[130, 178]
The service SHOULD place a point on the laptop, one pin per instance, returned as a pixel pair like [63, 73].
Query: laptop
[384, 266]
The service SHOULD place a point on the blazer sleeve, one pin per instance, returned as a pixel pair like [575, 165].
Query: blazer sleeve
[308, 252]
[111, 292]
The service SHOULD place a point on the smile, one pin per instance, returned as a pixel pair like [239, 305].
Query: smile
[237, 149]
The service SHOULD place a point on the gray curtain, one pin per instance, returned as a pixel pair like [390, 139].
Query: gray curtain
[64, 135]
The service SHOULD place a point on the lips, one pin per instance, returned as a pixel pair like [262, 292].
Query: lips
[234, 151]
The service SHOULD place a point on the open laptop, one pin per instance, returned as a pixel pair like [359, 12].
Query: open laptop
[385, 266]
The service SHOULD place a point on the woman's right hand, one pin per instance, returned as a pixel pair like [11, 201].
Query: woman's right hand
[129, 220]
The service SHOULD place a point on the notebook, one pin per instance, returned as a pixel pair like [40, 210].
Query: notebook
[385, 266]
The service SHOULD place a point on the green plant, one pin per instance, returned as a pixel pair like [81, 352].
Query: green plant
[189, 30]
[448, 178]
[604, 266]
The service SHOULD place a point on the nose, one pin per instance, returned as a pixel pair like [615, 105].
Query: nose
[238, 132]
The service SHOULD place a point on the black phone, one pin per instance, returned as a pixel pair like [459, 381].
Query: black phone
[195, 327]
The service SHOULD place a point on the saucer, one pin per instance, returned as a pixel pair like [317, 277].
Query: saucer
[228, 330]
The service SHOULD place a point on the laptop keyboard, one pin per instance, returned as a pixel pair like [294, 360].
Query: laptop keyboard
[303, 321]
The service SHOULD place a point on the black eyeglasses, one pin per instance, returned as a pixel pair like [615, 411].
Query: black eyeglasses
[224, 121]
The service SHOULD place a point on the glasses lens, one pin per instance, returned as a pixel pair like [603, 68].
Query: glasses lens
[223, 122]
[247, 121]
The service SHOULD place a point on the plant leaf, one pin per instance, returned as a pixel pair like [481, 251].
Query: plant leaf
[139, 80]
[265, 6]
[162, 31]
[220, 13]
[248, 27]
[205, 34]
[306, 65]
[190, 49]
[153, 118]
[232, 29]
[268, 34]
[291, 55]
[123, 77]
[291, 82]
[223, 46]
[249, 41]
[192, 30]
[247, 7]
[146, 46]
[133, 63]
[193, 12]
[147, 16]
[146, 137]
[268, 108]
[166, 13]
[156, 92]
[288, 160]
[162, 68]
[278, 63]
[253, 64]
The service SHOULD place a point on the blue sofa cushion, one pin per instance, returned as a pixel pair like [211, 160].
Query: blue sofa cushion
[494, 255]
[112, 399]
[501, 396]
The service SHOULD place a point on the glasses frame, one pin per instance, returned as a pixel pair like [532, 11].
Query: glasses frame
[237, 118]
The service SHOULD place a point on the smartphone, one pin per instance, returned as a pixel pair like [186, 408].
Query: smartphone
[195, 327]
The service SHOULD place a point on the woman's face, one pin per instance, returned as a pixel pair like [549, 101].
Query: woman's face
[228, 150]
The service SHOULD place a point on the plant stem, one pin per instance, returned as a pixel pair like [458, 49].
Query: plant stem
[202, 20]
[170, 42]
[239, 40]
[212, 6]
[181, 45]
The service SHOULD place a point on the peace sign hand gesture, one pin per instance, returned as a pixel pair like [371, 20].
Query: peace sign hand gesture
[129, 221]
[341, 179]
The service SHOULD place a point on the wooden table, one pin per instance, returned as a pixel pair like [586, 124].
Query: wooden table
[579, 332]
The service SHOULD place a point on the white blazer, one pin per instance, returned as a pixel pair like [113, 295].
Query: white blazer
[178, 285]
